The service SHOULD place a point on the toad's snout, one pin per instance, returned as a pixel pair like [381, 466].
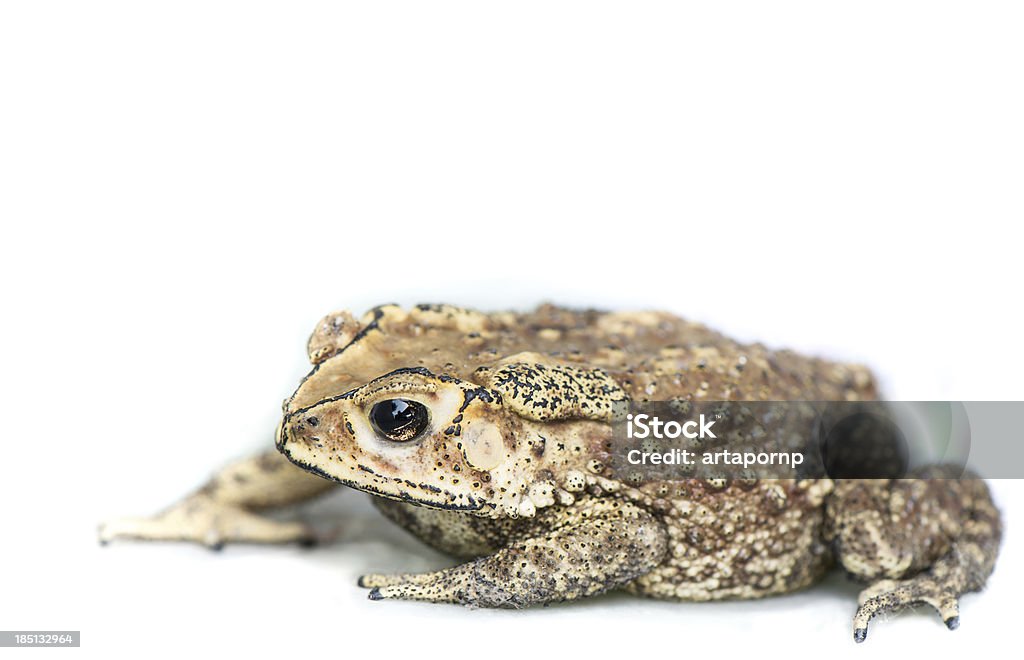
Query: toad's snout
[298, 429]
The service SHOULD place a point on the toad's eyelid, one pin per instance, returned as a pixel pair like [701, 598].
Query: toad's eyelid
[393, 389]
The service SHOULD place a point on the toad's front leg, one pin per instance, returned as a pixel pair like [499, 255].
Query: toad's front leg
[568, 554]
[228, 508]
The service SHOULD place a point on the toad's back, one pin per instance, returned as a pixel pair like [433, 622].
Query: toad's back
[651, 355]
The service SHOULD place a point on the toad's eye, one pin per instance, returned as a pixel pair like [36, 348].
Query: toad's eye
[400, 420]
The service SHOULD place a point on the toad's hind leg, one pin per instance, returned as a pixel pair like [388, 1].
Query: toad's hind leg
[225, 510]
[928, 540]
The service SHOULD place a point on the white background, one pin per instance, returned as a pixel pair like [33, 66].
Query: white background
[186, 187]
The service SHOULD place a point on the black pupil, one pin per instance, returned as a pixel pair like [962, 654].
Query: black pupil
[399, 419]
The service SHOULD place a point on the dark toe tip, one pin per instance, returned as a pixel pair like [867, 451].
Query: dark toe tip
[362, 581]
[860, 634]
[375, 594]
[104, 543]
[953, 622]
[310, 542]
[216, 547]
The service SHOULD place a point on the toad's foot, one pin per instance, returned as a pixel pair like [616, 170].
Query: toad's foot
[372, 580]
[892, 595]
[205, 520]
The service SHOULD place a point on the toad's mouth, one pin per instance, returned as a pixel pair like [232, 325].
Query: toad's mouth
[402, 490]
